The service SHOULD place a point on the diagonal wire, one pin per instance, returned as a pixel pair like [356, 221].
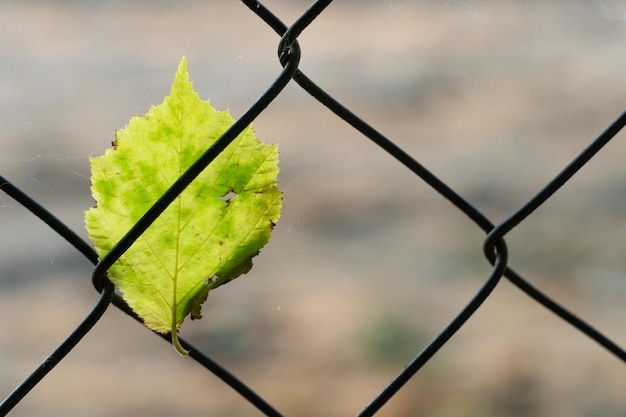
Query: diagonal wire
[48, 218]
[561, 178]
[88, 322]
[524, 211]
[432, 180]
[53, 359]
[290, 56]
[473, 214]
[60, 352]
[493, 240]
[107, 294]
[193, 171]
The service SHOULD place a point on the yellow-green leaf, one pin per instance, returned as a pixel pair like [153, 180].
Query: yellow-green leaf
[209, 234]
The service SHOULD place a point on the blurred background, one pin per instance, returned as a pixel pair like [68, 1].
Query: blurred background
[367, 263]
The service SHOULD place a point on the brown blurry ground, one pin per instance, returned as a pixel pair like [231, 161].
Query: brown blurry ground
[367, 263]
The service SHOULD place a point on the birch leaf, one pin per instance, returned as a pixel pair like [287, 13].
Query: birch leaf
[209, 234]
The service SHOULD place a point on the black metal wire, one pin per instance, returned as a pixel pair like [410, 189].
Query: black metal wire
[88, 322]
[555, 184]
[289, 56]
[524, 211]
[566, 315]
[494, 235]
[107, 294]
[437, 343]
[48, 218]
[60, 352]
[492, 242]
[195, 169]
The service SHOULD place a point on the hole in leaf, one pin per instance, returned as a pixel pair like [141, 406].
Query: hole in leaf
[228, 196]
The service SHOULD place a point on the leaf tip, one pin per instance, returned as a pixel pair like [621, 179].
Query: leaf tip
[182, 68]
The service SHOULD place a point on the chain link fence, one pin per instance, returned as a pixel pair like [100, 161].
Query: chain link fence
[494, 248]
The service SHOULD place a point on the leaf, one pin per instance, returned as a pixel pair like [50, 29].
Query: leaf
[209, 234]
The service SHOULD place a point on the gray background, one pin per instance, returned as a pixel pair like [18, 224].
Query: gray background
[367, 263]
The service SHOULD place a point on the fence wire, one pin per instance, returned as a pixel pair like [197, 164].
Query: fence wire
[495, 249]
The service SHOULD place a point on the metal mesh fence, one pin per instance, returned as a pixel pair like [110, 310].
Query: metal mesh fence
[495, 247]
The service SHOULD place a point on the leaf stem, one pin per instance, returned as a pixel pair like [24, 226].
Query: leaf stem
[179, 348]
